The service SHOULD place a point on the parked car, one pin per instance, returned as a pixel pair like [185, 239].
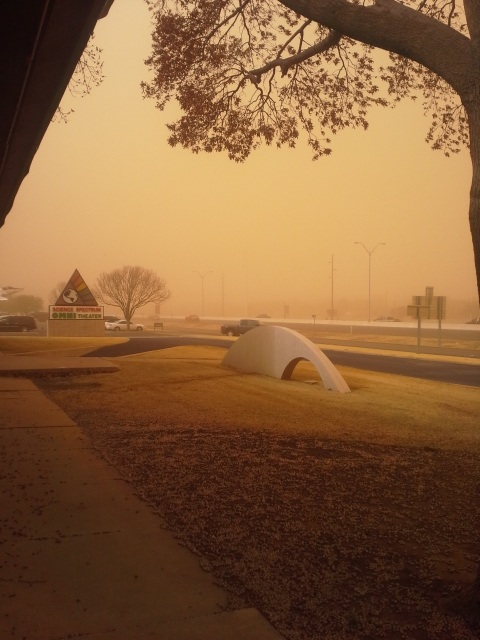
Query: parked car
[387, 319]
[473, 321]
[109, 319]
[17, 323]
[192, 318]
[121, 325]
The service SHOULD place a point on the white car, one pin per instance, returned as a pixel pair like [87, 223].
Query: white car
[121, 325]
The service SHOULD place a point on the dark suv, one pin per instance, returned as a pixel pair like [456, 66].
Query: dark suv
[17, 323]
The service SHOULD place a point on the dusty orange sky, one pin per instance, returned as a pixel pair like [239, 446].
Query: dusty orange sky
[106, 190]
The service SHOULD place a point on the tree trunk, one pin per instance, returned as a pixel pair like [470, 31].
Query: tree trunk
[467, 604]
[473, 111]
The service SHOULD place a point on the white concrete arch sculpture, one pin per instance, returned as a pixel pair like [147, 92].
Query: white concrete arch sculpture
[275, 351]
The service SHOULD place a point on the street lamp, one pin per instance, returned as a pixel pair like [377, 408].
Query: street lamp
[370, 251]
[202, 276]
[331, 293]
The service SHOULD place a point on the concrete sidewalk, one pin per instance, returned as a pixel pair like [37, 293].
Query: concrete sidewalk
[80, 555]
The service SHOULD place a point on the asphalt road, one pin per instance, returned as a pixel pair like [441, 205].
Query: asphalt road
[440, 371]
[452, 372]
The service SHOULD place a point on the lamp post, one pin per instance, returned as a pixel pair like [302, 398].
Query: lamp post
[370, 251]
[202, 276]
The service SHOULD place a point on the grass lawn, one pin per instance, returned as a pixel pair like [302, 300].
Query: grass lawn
[340, 516]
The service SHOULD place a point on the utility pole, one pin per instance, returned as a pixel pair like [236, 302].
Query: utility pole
[223, 297]
[331, 294]
[246, 285]
[202, 276]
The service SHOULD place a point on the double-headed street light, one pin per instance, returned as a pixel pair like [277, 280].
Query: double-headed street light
[370, 251]
[202, 276]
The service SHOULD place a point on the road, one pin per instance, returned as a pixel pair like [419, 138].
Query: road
[440, 371]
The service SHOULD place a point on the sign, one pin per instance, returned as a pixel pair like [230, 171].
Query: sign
[417, 311]
[429, 307]
[76, 292]
[433, 307]
[75, 312]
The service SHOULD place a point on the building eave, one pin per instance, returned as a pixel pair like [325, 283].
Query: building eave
[41, 42]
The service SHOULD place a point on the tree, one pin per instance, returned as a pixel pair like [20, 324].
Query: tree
[130, 288]
[23, 304]
[88, 74]
[246, 71]
[57, 291]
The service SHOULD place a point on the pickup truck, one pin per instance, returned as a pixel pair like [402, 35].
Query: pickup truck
[239, 329]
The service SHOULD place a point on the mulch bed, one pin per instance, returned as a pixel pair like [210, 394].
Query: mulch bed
[331, 540]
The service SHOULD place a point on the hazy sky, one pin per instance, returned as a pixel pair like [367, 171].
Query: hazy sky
[106, 190]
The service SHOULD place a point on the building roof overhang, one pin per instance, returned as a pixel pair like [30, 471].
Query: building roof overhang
[41, 42]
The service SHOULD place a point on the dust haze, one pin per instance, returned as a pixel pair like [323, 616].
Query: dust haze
[106, 190]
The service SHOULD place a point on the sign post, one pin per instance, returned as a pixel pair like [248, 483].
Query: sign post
[429, 307]
[418, 311]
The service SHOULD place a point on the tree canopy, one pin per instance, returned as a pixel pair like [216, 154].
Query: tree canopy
[129, 288]
[263, 70]
[23, 304]
[251, 71]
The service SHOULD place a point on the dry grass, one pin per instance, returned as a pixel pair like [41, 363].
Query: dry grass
[339, 516]
[447, 343]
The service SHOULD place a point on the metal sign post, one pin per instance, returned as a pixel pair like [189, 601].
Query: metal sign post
[418, 311]
[441, 304]
[430, 307]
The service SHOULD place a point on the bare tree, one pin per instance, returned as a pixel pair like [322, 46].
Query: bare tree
[130, 288]
[56, 292]
[246, 71]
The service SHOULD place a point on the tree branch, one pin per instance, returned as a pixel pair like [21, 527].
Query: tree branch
[332, 39]
[394, 27]
[227, 19]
